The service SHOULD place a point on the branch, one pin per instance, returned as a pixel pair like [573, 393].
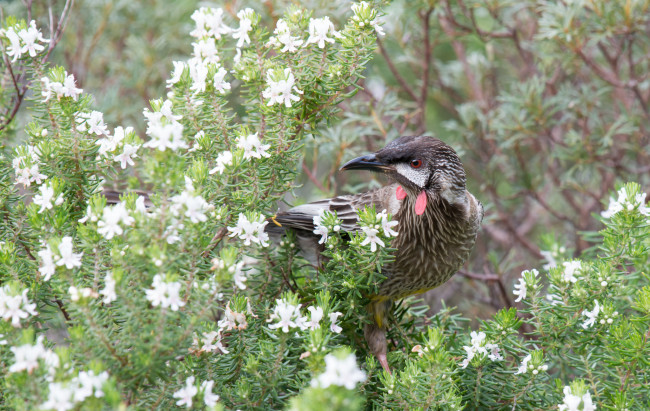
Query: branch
[395, 72]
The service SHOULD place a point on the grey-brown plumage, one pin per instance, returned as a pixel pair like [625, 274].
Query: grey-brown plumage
[438, 221]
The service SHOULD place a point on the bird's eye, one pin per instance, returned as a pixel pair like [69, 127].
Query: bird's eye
[416, 163]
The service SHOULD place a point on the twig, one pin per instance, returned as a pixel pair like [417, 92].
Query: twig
[396, 74]
[215, 241]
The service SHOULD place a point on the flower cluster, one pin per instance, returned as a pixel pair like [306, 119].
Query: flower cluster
[23, 40]
[324, 223]
[629, 199]
[246, 18]
[366, 16]
[528, 278]
[288, 316]
[14, 306]
[281, 84]
[26, 166]
[251, 231]
[163, 127]
[480, 346]
[342, 372]
[252, 146]
[65, 395]
[121, 146]
[45, 198]
[186, 394]
[109, 289]
[166, 294]
[92, 122]
[65, 88]
[534, 365]
[284, 39]
[190, 205]
[232, 320]
[371, 229]
[109, 225]
[234, 269]
[211, 342]
[26, 357]
[65, 256]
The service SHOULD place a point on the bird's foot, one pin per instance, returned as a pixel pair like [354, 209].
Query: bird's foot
[384, 362]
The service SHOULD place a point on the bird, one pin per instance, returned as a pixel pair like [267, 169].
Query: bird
[438, 222]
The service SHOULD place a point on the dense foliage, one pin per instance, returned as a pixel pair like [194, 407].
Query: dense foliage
[183, 299]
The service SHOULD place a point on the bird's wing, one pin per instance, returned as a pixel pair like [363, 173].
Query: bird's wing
[302, 216]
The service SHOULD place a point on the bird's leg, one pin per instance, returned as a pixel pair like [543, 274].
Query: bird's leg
[376, 338]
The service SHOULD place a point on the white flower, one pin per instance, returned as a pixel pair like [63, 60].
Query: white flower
[252, 146]
[239, 277]
[60, 397]
[318, 31]
[179, 68]
[250, 231]
[280, 86]
[14, 47]
[479, 346]
[371, 238]
[322, 231]
[245, 25]
[87, 382]
[30, 38]
[44, 199]
[549, 256]
[15, 307]
[165, 136]
[128, 153]
[223, 159]
[186, 394]
[93, 122]
[334, 327]
[66, 255]
[195, 206]
[212, 342]
[524, 365]
[109, 225]
[591, 315]
[218, 81]
[570, 269]
[27, 356]
[520, 290]
[493, 353]
[232, 319]
[342, 372]
[198, 74]
[47, 260]
[109, 289]
[316, 316]
[209, 398]
[285, 314]
[110, 143]
[165, 294]
[284, 38]
[572, 402]
[206, 50]
[387, 225]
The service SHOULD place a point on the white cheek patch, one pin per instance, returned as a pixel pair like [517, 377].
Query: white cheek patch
[416, 176]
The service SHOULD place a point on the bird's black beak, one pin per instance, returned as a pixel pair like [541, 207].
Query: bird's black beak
[367, 162]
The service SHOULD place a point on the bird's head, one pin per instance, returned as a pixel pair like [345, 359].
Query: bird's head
[424, 166]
